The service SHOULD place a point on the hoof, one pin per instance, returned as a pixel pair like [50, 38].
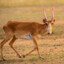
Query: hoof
[41, 58]
[23, 56]
[4, 60]
[19, 56]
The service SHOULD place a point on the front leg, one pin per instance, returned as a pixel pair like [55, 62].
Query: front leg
[29, 53]
[36, 48]
[35, 42]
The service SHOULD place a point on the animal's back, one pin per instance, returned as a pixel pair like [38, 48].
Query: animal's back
[22, 28]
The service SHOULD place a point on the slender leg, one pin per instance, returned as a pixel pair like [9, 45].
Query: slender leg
[29, 52]
[35, 42]
[2, 44]
[11, 44]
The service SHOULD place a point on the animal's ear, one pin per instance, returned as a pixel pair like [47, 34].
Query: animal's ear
[53, 20]
[45, 21]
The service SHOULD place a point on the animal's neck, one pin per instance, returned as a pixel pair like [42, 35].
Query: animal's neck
[45, 26]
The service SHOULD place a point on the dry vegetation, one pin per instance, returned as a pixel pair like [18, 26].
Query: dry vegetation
[51, 46]
[9, 3]
[50, 49]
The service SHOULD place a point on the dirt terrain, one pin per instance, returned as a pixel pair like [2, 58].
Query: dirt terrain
[52, 50]
[51, 46]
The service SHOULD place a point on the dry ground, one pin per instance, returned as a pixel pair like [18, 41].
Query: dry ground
[51, 46]
[52, 50]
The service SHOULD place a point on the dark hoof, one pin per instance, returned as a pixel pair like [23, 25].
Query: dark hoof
[4, 60]
[19, 56]
[42, 58]
[23, 56]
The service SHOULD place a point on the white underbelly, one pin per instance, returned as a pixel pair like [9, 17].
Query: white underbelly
[22, 34]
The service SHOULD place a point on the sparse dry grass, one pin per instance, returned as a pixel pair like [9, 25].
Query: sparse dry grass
[11, 3]
[33, 14]
[51, 50]
[51, 46]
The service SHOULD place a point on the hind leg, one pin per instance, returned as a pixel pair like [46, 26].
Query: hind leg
[11, 45]
[2, 44]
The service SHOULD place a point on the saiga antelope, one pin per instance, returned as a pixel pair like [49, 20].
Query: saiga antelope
[15, 28]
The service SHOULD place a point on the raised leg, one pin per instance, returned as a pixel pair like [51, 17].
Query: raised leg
[29, 52]
[2, 44]
[11, 44]
[36, 47]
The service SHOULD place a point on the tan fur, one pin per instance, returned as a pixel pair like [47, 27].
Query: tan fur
[21, 28]
[16, 28]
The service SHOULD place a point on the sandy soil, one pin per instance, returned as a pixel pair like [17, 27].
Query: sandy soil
[51, 50]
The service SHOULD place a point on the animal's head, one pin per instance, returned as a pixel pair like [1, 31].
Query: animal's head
[49, 23]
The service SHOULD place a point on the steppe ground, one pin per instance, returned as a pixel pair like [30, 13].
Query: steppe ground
[51, 46]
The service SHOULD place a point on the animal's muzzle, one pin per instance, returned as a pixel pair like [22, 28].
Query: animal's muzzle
[50, 33]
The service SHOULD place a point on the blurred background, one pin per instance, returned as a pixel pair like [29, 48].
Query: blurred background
[51, 46]
[32, 10]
